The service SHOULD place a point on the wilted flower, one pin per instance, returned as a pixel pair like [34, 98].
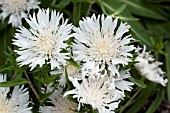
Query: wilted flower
[16, 10]
[149, 68]
[44, 40]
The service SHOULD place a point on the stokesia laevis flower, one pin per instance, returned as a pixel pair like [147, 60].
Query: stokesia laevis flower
[44, 40]
[99, 42]
[149, 67]
[60, 104]
[16, 10]
[17, 102]
[98, 92]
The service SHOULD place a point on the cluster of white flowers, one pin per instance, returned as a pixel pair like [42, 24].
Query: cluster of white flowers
[101, 47]
[149, 68]
[17, 102]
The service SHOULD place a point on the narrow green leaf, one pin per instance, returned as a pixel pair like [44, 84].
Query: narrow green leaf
[168, 69]
[44, 97]
[13, 83]
[120, 10]
[76, 13]
[155, 104]
[54, 77]
[128, 18]
[139, 101]
[74, 63]
[85, 1]
[137, 82]
[63, 4]
[158, 28]
[140, 33]
[143, 9]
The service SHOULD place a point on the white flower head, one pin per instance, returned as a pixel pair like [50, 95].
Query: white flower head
[44, 40]
[97, 92]
[17, 102]
[61, 104]
[149, 68]
[99, 41]
[16, 10]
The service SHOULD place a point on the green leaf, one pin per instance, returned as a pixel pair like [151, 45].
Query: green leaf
[3, 25]
[63, 4]
[119, 10]
[168, 69]
[139, 101]
[46, 79]
[137, 82]
[44, 97]
[158, 28]
[85, 1]
[155, 104]
[143, 9]
[76, 13]
[140, 33]
[74, 63]
[13, 83]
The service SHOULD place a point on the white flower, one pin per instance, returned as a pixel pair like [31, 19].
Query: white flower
[97, 92]
[61, 104]
[17, 102]
[43, 41]
[149, 68]
[99, 41]
[16, 10]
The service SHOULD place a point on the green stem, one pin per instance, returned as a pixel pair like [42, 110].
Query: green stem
[31, 85]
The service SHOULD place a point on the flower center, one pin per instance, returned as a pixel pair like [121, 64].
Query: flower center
[71, 69]
[44, 46]
[15, 6]
[103, 48]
